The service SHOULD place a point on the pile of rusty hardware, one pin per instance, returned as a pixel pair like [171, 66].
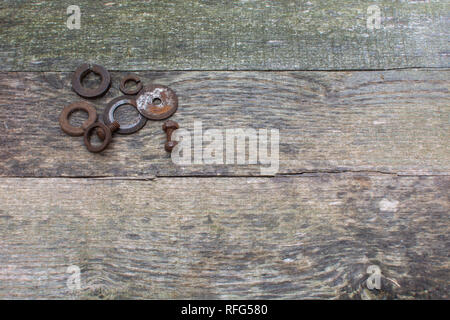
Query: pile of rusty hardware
[154, 102]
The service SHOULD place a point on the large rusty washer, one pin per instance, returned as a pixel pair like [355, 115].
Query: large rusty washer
[76, 106]
[82, 71]
[147, 104]
[108, 115]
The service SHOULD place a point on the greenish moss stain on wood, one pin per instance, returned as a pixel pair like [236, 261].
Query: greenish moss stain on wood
[217, 35]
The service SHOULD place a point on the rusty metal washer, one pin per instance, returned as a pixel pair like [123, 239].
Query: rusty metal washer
[82, 71]
[68, 110]
[113, 105]
[135, 79]
[106, 133]
[147, 106]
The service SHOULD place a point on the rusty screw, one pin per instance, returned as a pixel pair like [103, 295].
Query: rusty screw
[113, 127]
[169, 127]
[102, 130]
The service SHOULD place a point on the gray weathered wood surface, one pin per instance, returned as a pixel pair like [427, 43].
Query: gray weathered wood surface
[283, 237]
[364, 153]
[224, 35]
[388, 121]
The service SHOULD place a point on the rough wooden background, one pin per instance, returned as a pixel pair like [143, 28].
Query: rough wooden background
[224, 35]
[364, 119]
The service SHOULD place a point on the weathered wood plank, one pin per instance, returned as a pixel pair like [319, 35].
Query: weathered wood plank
[224, 35]
[389, 121]
[283, 237]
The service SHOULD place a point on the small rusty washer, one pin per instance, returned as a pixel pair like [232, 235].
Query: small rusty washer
[106, 133]
[108, 114]
[76, 106]
[135, 79]
[82, 71]
[147, 106]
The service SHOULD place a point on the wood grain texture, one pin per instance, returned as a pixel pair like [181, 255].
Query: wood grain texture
[364, 155]
[396, 122]
[224, 35]
[284, 237]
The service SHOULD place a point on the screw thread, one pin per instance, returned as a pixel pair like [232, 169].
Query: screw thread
[114, 126]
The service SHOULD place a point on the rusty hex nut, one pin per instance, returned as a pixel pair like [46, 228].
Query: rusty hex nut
[169, 145]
